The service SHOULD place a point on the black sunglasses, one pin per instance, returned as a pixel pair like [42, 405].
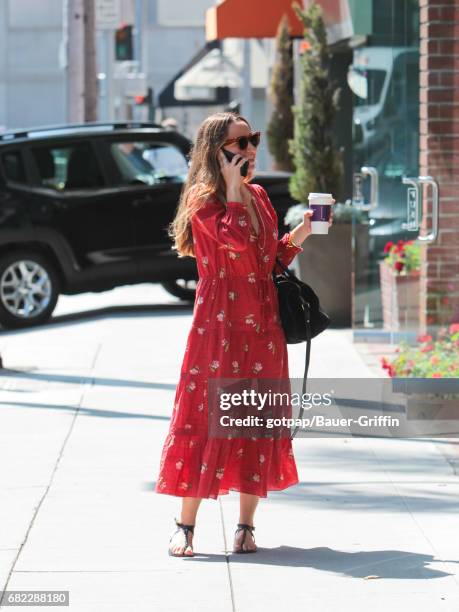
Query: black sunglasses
[243, 141]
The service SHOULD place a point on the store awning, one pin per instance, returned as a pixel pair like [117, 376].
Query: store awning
[260, 19]
[250, 19]
[201, 81]
[167, 97]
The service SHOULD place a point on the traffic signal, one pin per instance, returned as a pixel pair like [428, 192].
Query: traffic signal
[124, 48]
[147, 99]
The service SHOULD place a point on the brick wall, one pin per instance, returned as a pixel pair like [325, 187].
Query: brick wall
[439, 157]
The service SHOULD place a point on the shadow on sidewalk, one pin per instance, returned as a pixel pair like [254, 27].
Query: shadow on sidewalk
[387, 564]
[125, 311]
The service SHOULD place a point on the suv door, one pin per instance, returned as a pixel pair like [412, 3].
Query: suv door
[150, 172]
[70, 183]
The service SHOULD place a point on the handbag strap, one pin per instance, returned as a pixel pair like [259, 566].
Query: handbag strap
[306, 366]
[284, 267]
[307, 320]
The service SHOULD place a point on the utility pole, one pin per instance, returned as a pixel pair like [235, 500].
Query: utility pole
[81, 61]
[246, 97]
[75, 61]
[90, 62]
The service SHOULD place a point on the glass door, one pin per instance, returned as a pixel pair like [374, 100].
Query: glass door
[384, 78]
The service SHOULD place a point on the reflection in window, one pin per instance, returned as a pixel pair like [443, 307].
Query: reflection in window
[72, 167]
[367, 84]
[149, 163]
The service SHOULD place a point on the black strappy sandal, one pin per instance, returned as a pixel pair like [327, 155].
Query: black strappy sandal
[185, 529]
[246, 528]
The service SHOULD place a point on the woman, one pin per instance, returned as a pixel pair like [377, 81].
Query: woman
[230, 227]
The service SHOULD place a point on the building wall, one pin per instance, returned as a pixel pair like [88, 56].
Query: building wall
[32, 83]
[439, 153]
[173, 35]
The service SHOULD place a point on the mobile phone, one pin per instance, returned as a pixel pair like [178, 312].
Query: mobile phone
[229, 156]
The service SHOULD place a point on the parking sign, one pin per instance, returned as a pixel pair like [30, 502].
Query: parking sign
[108, 14]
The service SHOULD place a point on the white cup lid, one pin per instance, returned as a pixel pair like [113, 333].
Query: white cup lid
[317, 195]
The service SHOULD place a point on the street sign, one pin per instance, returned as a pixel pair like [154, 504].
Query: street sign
[108, 14]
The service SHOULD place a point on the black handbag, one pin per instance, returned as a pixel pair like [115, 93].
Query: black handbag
[301, 315]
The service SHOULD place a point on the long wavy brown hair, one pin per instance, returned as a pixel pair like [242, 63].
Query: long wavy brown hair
[204, 178]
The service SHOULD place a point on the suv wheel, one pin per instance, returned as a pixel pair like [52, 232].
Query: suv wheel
[181, 288]
[29, 288]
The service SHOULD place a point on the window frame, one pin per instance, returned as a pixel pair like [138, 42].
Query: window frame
[8, 181]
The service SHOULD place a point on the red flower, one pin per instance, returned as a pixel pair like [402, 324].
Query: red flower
[426, 338]
[388, 246]
[399, 242]
[399, 266]
[434, 360]
[427, 348]
[437, 375]
[453, 328]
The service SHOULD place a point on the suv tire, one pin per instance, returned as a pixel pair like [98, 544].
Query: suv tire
[35, 281]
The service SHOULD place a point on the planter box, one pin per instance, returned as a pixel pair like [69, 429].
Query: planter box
[420, 407]
[326, 265]
[401, 299]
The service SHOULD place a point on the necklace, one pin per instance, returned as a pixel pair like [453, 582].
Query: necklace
[260, 224]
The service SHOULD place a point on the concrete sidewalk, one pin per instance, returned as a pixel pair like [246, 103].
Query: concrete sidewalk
[85, 407]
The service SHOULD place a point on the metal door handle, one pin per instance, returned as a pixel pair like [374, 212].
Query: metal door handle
[372, 172]
[429, 180]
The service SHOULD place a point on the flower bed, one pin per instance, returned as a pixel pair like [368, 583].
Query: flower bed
[437, 358]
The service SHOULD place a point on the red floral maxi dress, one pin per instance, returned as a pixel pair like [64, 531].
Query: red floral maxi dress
[235, 332]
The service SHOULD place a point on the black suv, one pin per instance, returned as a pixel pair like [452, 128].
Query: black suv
[86, 208]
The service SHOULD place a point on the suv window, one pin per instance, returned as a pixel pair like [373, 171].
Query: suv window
[149, 163]
[13, 167]
[68, 167]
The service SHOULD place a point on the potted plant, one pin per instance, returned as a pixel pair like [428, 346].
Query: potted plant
[328, 264]
[400, 285]
[429, 359]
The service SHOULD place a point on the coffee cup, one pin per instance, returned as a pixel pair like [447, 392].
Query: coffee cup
[320, 204]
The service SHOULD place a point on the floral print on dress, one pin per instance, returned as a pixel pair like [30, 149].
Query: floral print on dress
[257, 367]
[214, 365]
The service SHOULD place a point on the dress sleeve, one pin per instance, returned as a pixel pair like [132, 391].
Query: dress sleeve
[229, 226]
[285, 252]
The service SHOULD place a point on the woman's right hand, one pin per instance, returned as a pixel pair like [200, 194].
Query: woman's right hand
[231, 172]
